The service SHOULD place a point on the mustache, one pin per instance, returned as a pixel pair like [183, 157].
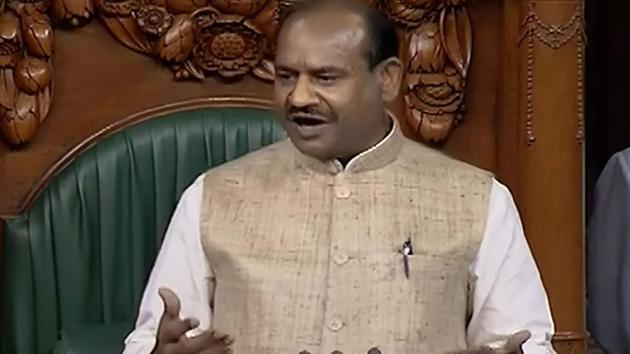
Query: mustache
[308, 111]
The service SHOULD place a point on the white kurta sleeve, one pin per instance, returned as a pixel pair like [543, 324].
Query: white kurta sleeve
[180, 266]
[507, 292]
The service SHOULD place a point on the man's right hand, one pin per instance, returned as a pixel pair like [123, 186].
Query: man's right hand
[171, 336]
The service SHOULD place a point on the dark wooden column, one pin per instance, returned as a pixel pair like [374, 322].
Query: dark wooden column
[540, 148]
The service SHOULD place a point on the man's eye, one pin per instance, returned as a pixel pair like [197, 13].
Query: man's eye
[327, 79]
[284, 76]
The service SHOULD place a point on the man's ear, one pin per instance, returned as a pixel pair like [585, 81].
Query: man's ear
[390, 75]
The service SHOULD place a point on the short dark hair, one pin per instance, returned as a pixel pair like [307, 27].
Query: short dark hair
[383, 40]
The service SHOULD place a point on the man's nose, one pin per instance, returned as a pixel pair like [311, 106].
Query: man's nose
[303, 94]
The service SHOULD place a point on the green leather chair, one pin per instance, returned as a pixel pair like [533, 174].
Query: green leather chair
[75, 265]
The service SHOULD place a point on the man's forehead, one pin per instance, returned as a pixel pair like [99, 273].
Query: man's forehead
[323, 36]
[328, 19]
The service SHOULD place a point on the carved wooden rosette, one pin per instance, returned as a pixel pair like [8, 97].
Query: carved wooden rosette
[198, 37]
[26, 45]
[437, 47]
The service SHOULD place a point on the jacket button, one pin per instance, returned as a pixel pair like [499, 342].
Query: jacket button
[336, 352]
[341, 258]
[374, 350]
[342, 192]
[305, 352]
[335, 325]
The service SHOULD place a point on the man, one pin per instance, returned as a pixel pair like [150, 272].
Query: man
[349, 238]
[608, 281]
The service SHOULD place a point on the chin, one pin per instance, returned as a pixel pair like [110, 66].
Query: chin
[312, 148]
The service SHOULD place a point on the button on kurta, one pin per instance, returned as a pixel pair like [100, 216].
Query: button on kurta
[341, 258]
[335, 325]
[342, 192]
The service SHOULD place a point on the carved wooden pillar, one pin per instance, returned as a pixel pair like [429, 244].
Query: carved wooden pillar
[540, 151]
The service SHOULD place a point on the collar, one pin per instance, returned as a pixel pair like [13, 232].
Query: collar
[378, 156]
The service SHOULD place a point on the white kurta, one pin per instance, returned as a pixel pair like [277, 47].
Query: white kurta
[507, 292]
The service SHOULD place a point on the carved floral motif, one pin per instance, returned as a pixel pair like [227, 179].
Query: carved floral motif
[412, 12]
[20, 121]
[118, 7]
[71, 13]
[26, 44]
[198, 37]
[178, 42]
[22, 7]
[185, 6]
[37, 33]
[228, 48]
[10, 42]
[245, 8]
[154, 20]
[437, 47]
[32, 75]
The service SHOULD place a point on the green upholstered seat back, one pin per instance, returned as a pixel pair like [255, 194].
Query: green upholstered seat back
[83, 252]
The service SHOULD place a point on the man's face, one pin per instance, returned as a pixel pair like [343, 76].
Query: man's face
[329, 97]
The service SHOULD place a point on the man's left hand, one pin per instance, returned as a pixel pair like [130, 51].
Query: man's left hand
[513, 345]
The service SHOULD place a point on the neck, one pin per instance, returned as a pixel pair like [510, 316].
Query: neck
[379, 137]
[381, 153]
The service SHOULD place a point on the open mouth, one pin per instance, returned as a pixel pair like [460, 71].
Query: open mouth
[308, 121]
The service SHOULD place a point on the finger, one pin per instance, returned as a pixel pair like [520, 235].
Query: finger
[172, 305]
[218, 350]
[172, 329]
[222, 337]
[168, 348]
[192, 322]
[227, 350]
[202, 342]
[514, 343]
[228, 341]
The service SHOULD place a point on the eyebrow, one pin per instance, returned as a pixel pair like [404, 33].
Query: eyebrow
[316, 71]
[327, 69]
[283, 68]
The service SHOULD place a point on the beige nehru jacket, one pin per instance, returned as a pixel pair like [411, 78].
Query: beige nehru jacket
[305, 254]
